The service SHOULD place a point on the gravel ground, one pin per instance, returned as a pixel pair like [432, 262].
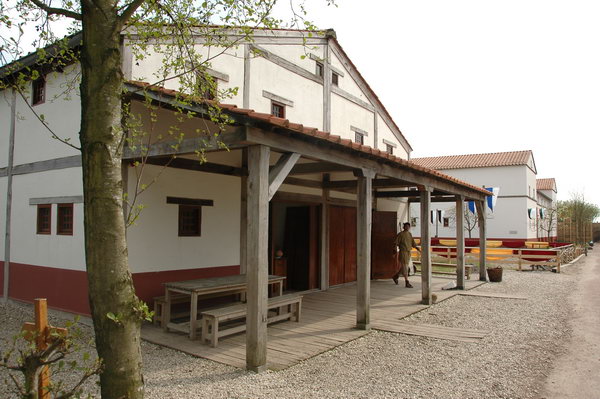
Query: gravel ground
[511, 362]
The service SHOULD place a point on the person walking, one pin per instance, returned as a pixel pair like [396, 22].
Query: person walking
[403, 244]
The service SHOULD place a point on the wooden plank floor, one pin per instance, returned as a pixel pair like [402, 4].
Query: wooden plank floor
[328, 320]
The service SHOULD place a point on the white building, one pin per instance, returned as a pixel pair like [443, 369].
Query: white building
[196, 216]
[547, 211]
[516, 213]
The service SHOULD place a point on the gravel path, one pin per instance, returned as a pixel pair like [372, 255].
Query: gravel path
[511, 362]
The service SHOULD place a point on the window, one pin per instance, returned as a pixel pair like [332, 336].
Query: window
[277, 109]
[319, 70]
[335, 78]
[44, 212]
[190, 217]
[446, 222]
[359, 138]
[413, 222]
[38, 90]
[389, 149]
[64, 219]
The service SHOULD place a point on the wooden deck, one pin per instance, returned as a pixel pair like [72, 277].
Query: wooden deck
[328, 320]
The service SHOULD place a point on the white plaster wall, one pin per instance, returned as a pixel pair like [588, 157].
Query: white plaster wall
[346, 82]
[52, 250]
[153, 242]
[508, 221]
[5, 112]
[33, 142]
[384, 132]
[345, 114]
[306, 94]
[531, 183]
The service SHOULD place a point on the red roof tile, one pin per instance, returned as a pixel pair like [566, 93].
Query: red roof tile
[546, 184]
[475, 160]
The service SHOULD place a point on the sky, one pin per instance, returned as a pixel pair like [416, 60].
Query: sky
[477, 76]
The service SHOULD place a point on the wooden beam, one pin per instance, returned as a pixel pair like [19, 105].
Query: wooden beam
[324, 238]
[233, 138]
[196, 165]
[404, 194]
[256, 257]
[311, 199]
[435, 199]
[377, 183]
[480, 205]
[286, 143]
[352, 98]
[364, 213]
[294, 181]
[280, 170]
[425, 248]
[318, 167]
[460, 242]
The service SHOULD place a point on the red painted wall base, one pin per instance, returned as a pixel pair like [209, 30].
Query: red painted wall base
[68, 289]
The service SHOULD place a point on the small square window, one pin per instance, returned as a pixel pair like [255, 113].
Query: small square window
[359, 138]
[190, 218]
[38, 89]
[277, 109]
[64, 219]
[335, 78]
[44, 218]
[319, 70]
[389, 149]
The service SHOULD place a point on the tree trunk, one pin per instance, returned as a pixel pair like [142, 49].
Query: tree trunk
[110, 284]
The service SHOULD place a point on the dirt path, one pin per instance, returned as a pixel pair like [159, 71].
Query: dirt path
[576, 373]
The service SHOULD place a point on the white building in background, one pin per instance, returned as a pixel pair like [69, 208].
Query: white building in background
[547, 212]
[516, 213]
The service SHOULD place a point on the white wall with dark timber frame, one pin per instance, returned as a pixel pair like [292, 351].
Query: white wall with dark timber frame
[345, 114]
[33, 142]
[52, 250]
[5, 112]
[306, 95]
[385, 133]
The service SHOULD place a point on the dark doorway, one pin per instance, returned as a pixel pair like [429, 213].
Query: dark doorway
[297, 235]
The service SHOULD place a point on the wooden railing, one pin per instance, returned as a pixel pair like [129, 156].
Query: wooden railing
[547, 257]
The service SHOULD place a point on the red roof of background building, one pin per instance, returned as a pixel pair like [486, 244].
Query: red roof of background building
[475, 160]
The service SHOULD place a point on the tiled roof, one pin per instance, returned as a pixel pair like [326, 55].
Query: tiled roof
[546, 184]
[475, 160]
[379, 155]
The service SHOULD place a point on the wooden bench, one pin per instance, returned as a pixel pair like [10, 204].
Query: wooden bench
[468, 268]
[285, 307]
[159, 304]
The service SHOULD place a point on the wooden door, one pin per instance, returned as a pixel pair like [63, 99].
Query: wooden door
[296, 244]
[383, 233]
[336, 245]
[342, 245]
[349, 245]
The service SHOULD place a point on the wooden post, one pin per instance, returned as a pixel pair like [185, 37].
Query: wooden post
[9, 174]
[243, 209]
[460, 242]
[41, 332]
[425, 246]
[364, 212]
[480, 205]
[520, 259]
[324, 247]
[256, 257]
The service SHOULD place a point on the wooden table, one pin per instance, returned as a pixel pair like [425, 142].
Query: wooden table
[207, 287]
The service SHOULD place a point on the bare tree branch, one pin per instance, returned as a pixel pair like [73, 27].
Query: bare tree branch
[131, 8]
[57, 11]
